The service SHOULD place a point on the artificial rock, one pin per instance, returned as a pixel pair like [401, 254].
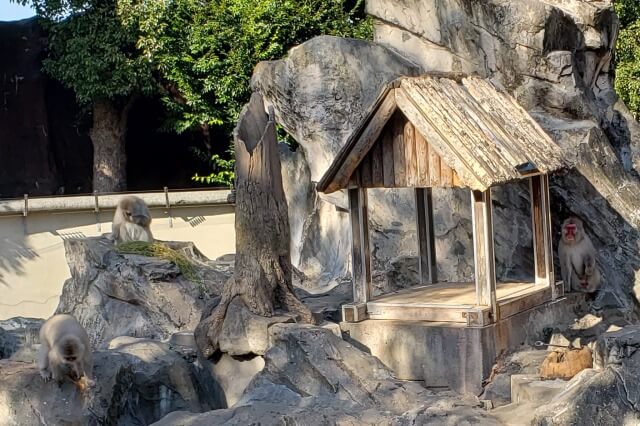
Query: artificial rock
[553, 56]
[114, 294]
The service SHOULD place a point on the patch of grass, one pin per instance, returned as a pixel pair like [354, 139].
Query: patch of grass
[161, 251]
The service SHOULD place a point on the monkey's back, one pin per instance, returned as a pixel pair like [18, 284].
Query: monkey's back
[59, 326]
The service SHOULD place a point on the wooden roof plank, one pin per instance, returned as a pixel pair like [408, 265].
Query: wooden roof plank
[476, 128]
[462, 131]
[460, 158]
[361, 144]
[523, 130]
[485, 122]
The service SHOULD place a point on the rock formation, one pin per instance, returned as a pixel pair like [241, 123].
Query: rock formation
[553, 56]
[115, 294]
[139, 382]
[311, 377]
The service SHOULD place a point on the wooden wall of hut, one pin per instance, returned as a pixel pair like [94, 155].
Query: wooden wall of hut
[402, 157]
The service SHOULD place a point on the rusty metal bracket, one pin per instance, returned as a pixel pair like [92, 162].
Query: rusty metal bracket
[168, 206]
[96, 209]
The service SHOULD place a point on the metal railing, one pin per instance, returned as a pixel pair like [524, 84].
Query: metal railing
[108, 201]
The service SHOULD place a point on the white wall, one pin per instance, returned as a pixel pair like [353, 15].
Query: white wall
[33, 267]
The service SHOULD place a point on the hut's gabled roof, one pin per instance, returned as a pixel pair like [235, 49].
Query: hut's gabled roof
[478, 130]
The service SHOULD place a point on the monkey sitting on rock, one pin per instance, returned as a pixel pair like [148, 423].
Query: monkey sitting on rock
[132, 221]
[65, 351]
[577, 258]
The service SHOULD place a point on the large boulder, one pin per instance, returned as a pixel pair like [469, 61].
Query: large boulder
[606, 397]
[312, 377]
[138, 382]
[320, 91]
[553, 56]
[114, 294]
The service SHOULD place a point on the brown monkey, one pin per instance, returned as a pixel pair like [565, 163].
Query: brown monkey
[590, 280]
[574, 247]
[132, 221]
[65, 351]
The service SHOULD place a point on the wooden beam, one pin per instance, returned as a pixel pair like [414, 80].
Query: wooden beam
[377, 167]
[360, 256]
[434, 167]
[437, 313]
[516, 305]
[354, 312]
[426, 237]
[366, 179]
[537, 229]
[556, 291]
[399, 155]
[411, 162]
[387, 156]
[422, 154]
[484, 257]
[349, 161]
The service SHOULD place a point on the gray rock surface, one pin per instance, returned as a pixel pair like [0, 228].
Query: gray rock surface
[554, 56]
[18, 338]
[138, 382]
[114, 294]
[320, 91]
[233, 374]
[312, 377]
[245, 333]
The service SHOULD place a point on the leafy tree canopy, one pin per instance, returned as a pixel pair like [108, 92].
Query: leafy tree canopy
[91, 52]
[206, 50]
[197, 54]
[628, 54]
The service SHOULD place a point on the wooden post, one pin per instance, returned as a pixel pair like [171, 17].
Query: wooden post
[483, 254]
[537, 229]
[262, 276]
[556, 291]
[360, 257]
[541, 229]
[426, 236]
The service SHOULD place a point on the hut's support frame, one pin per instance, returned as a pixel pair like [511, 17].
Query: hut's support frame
[487, 307]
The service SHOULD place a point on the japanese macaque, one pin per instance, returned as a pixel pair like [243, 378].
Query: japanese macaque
[65, 351]
[577, 258]
[590, 280]
[131, 221]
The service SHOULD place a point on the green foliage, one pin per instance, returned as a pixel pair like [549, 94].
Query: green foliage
[198, 55]
[91, 52]
[206, 50]
[222, 174]
[628, 54]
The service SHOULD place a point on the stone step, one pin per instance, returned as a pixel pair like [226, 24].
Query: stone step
[530, 388]
[515, 414]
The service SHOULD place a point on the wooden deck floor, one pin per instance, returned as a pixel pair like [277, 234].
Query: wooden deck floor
[452, 302]
[453, 294]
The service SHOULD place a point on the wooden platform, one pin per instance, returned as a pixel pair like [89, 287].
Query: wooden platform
[455, 302]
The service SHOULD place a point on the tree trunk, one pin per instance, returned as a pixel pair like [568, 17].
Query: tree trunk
[108, 137]
[262, 277]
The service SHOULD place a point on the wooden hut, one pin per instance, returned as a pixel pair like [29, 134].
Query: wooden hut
[447, 131]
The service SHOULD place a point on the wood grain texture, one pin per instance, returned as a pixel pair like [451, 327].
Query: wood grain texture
[399, 163]
[422, 158]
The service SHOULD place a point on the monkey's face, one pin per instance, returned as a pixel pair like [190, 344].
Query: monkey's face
[72, 367]
[571, 232]
[138, 219]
